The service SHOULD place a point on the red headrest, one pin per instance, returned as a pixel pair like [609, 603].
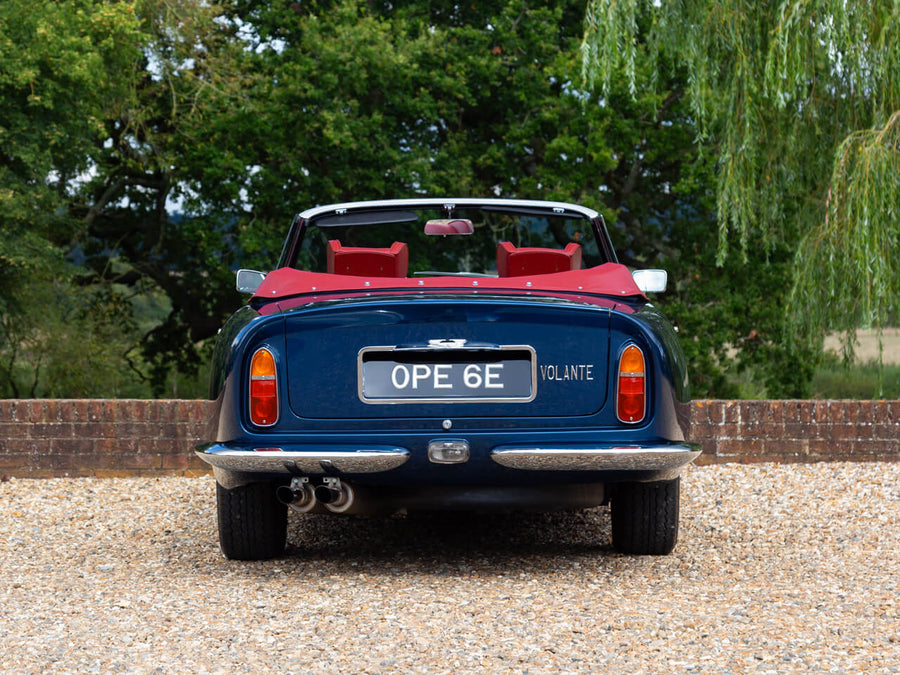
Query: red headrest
[368, 262]
[525, 261]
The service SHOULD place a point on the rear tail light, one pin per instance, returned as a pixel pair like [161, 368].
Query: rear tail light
[631, 399]
[263, 389]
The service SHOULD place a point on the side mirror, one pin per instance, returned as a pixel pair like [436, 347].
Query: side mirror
[249, 280]
[650, 281]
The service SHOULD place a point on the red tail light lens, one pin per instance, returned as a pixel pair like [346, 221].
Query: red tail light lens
[631, 403]
[263, 389]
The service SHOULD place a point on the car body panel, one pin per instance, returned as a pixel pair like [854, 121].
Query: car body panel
[327, 331]
[325, 345]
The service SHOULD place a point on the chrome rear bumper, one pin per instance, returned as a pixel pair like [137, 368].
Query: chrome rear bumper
[667, 458]
[312, 461]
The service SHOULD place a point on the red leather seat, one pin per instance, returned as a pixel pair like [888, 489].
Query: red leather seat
[368, 262]
[527, 261]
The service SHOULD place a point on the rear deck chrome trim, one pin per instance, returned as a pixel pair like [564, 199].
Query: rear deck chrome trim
[612, 458]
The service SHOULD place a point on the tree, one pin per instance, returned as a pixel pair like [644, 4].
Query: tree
[284, 106]
[799, 104]
[226, 120]
[60, 67]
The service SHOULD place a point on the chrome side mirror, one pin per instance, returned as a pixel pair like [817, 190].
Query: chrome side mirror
[249, 280]
[651, 281]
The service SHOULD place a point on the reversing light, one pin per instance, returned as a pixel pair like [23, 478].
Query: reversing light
[631, 400]
[263, 389]
[448, 452]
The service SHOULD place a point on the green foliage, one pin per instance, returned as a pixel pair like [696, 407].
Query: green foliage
[58, 340]
[149, 149]
[837, 379]
[357, 103]
[285, 107]
[797, 103]
[59, 65]
[732, 318]
[854, 252]
[59, 70]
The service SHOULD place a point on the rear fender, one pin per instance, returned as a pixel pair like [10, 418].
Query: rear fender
[669, 391]
[245, 330]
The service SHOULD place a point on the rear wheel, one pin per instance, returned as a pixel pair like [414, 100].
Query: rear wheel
[645, 517]
[252, 522]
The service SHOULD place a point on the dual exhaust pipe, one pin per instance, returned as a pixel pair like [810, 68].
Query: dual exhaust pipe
[302, 496]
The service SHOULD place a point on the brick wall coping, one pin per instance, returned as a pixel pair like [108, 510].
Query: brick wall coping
[127, 437]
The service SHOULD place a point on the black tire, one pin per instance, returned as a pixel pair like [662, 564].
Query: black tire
[252, 522]
[645, 517]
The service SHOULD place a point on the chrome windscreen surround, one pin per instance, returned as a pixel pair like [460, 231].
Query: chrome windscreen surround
[278, 460]
[462, 202]
[612, 458]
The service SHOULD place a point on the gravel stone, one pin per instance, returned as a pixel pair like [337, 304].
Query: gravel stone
[779, 569]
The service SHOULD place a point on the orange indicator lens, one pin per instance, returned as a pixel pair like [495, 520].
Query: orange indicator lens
[632, 361]
[263, 364]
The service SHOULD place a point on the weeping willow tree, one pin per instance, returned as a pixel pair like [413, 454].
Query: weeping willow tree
[799, 104]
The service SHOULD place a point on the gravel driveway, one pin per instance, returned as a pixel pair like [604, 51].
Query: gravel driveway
[780, 569]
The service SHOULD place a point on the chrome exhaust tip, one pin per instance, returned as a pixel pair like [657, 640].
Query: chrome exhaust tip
[298, 495]
[338, 497]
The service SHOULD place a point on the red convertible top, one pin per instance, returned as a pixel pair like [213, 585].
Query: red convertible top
[610, 279]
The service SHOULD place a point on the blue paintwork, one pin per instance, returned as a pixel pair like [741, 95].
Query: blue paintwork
[316, 343]
[323, 343]
[316, 347]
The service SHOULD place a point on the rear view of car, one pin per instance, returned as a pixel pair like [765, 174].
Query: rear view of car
[447, 354]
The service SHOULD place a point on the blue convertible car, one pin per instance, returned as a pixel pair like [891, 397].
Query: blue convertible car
[448, 354]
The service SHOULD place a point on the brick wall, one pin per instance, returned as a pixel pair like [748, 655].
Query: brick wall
[108, 437]
[42, 438]
[796, 431]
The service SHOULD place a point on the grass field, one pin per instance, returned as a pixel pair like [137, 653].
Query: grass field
[867, 349]
[860, 380]
[835, 380]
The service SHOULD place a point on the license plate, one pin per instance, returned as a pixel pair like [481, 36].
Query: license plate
[387, 375]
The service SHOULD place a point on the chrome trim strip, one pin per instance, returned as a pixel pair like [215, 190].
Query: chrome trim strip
[306, 461]
[613, 458]
[347, 207]
[431, 349]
